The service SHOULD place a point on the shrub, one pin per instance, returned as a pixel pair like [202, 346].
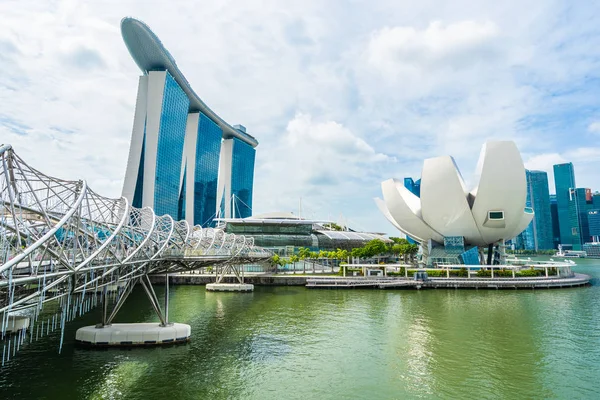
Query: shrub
[503, 273]
[462, 273]
[530, 272]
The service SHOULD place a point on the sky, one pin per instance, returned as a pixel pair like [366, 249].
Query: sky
[340, 94]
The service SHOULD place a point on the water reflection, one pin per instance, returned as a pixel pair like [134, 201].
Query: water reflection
[296, 343]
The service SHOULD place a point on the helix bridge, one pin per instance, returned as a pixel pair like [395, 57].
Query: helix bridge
[65, 247]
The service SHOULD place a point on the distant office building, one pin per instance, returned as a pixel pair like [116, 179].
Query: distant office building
[538, 198]
[538, 234]
[413, 186]
[594, 224]
[564, 181]
[580, 202]
[184, 160]
[554, 215]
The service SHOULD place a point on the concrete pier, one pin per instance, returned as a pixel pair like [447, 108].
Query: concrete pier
[142, 334]
[17, 323]
[449, 283]
[229, 287]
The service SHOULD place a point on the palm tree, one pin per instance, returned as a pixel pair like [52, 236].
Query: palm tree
[303, 253]
[294, 259]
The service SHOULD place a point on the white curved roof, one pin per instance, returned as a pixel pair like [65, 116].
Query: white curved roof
[502, 186]
[493, 211]
[405, 208]
[275, 215]
[150, 55]
[441, 179]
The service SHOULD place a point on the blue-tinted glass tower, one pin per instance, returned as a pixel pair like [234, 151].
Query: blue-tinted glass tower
[538, 197]
[564, 181]
[175, 163]
[413, 186]
[594, 224]
[580, 202]
[554, 215]
[171, 134]
[242, 178]
[208, 148]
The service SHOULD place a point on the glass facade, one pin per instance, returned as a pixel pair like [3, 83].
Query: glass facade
[580, 202]
[208, 147]
[171, 134]
[554, 215]
[564, 180]
[413, 186]
[592, 250]
[538, 197]
[594, 224]
[242, 178]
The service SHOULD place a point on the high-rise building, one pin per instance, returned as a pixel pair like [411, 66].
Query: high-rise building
[413, 186]
[554, 215]
[594, 224]
[538, 198]
[184, 160]
[538, 234]
[580, 202]
[235, 186]
[564, 181]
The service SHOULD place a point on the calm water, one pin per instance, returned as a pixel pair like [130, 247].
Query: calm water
[294, 343]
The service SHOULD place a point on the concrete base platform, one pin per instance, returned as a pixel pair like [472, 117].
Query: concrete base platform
[17, 323]
[229, 287]
[146, 334]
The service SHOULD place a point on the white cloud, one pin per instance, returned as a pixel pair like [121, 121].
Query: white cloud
[337, 104]
[594, 127]
[438, 46]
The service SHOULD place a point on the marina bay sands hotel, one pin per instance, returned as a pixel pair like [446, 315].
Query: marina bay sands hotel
[184, 160]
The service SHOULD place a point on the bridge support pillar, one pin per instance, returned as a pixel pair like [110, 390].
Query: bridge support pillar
[239, 286]
[107, 334]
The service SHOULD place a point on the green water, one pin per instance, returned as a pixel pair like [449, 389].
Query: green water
[294, 343]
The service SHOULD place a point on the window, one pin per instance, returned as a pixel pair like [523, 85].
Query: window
[495, 214]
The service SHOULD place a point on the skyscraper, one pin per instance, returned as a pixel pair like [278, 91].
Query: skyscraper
[413, 186]
[564, 180]
[555, 228]
[176, 160]
[538, 197]
[235, 187]
[580, 202]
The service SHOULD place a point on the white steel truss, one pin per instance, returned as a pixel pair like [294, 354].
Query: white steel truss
[60, 239]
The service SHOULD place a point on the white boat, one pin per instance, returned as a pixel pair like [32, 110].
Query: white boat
[570, 253]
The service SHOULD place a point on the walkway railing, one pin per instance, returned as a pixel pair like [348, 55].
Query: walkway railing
[61, 240]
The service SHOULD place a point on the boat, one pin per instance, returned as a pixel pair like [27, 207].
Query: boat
[570, 253]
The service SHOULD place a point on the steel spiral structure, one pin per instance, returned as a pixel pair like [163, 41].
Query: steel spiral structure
[59, 238]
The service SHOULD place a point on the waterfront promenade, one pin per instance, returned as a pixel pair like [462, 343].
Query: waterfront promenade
[339, 282]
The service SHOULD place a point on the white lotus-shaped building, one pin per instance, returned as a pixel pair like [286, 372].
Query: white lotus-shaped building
[493, 211]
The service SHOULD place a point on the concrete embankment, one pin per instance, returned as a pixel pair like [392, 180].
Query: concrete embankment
[258, 280]
[333, 282]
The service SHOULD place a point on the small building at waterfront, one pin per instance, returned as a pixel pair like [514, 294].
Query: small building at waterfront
[284, 233]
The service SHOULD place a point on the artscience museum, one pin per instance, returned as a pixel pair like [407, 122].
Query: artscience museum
[454, 224]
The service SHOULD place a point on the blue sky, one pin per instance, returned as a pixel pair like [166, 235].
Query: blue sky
[340, 94]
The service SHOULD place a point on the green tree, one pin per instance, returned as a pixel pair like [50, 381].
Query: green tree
[294, 258]
[332, 226]
[313, 258]
[303, 253]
